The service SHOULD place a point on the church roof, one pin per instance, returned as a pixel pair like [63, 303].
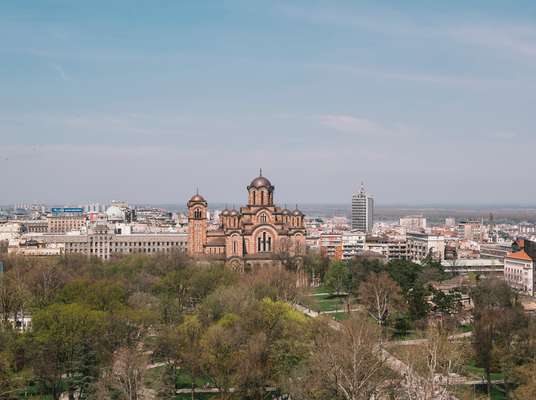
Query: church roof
[260, 182]
[197, 198]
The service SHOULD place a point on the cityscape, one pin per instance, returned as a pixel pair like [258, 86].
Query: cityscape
[283, 200]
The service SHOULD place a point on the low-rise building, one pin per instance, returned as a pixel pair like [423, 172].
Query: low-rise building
[423, 245]
[413, 223]
[519, 271]
[104, 242]
[331, 245]
[353, 243]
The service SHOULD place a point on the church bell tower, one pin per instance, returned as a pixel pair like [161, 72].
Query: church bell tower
[197, 225]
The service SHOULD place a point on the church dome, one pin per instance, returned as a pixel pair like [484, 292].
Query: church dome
[297, 213]
[197, 198]
[233, 213]
[285, 211]
[260, 182]
[225, 212]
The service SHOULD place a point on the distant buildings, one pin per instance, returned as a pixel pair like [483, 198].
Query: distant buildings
[362, 211]
[422, 245]
[413, 223]
[353, 244]
[471, 230]
[106, 242]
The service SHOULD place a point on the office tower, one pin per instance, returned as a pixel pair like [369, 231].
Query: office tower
[362, 211]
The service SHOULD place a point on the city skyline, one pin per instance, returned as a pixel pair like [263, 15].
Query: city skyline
[427, 105]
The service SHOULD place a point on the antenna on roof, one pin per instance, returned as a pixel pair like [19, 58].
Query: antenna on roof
[362, 187]
[260, 171]
[197, 191]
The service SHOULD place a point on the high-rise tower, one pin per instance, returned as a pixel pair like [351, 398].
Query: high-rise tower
[362, 211]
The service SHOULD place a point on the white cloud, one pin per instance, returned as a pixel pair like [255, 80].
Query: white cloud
[60, 71]
[517, 39]
[364, 126]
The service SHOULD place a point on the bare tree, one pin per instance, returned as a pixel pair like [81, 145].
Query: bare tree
[433, 367]
[128, 371]
[381, 295]
[345, 364]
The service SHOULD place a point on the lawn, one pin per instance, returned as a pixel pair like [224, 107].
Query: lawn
[329, 303]
[470, 392]
[183, 379]
[472, 369]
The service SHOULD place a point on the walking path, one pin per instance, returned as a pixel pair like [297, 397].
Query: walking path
[390, 360]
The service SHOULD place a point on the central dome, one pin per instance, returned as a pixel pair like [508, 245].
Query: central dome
[197, 198]
[260, 182]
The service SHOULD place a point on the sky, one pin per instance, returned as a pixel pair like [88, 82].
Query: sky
[145, 101]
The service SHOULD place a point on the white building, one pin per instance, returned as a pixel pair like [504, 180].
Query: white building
[423, 245]
[105, 242]
[413, 223]
[353, 243]
[519, 272]
[362, 211]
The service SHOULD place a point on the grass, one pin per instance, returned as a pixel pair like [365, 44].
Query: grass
[472, 369]
[479, 391]
[198, 396]
[465, 328]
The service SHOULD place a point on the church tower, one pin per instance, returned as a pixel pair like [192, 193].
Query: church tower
[260, 192]
[197, 225]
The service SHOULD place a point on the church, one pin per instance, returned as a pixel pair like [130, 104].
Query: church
[257, 234]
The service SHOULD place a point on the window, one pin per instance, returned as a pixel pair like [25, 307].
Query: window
[263, 218]
[197, 214]
[264, 243]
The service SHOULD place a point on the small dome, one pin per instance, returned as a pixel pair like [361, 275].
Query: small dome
[225, 212]
[233, 213]
[197, 198]
[297, 213]
[114, 213]
[285, 211]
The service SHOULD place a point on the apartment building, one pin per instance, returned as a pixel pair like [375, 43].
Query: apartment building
[423, 245]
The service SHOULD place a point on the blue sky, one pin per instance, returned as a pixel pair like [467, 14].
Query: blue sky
[427, 102]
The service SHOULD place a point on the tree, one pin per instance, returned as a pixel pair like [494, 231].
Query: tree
[381, 296]
[446, 304]
[526, 381]
[220, 354]
[338, 277]
[189, 349]
[128, 370]
[68, 347]
[12, 297]
[498, 319]
[345, 364]
[431, 365]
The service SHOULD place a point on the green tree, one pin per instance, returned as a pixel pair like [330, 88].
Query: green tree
[337, 277]
[68, 347]
[498, 319]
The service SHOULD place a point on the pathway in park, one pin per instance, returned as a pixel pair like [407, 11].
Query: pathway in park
[390, 360]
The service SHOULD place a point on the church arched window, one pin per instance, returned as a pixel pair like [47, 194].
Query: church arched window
[263, 218]
[264, 243]
[197, 214]
[262, 196]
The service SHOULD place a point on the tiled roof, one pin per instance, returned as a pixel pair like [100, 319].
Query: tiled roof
[519, 255]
